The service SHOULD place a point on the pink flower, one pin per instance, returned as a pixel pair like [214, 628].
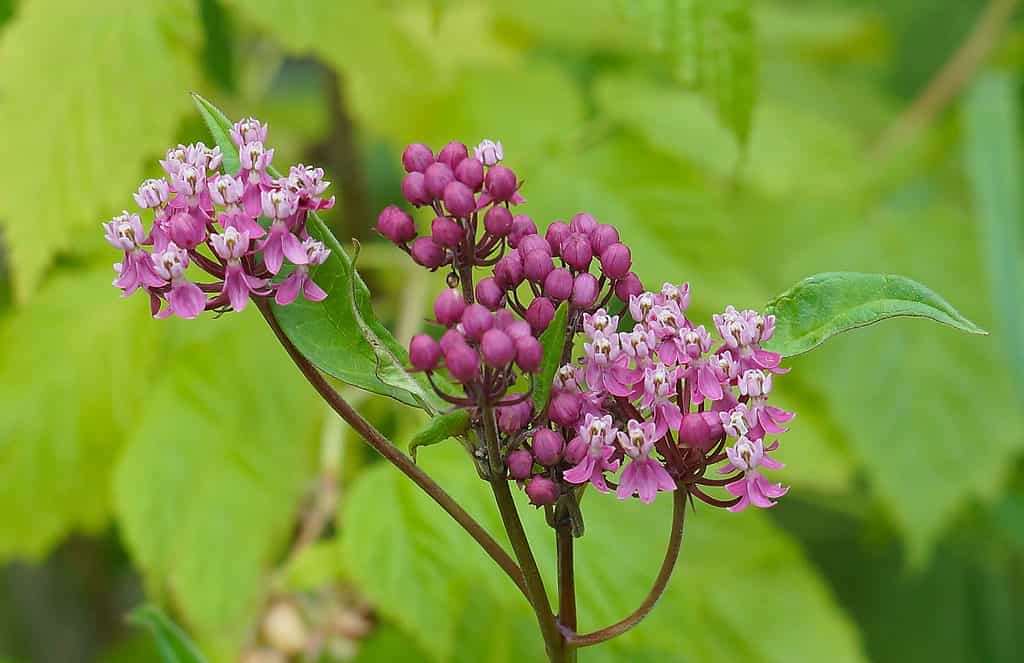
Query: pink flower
[607, 367]
[125, 232]
[308, 184]
[742, 331]
[753, 488]
[232, 246]
[152, 193]
[598, 434]
[643, 476]
[280, 205]
[600, 322]
[639, 345]
[299, 279]
[659, 386]
[700, 372]
[253, 173]
[678, 295]
[227, 191]
[489, 152]
[766, 419]
[737, 421]
[185, 299]
[641, 306]
[249, 130]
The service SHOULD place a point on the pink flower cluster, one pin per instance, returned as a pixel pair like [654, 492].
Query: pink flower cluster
[211, 219]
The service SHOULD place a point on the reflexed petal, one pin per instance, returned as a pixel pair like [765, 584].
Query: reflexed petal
[288, 290]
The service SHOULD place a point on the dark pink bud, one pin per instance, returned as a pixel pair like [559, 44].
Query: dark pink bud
[416, 158]
[585, 290]
[540, 313]
[533, 243]
[701, 430]
[489, 293]
[522, 225]
[449, 307]
[503, 319]
[520, 464]
[583, 223]
[508, 271]
[548, 447]
[462, 362]
[435, 178]
[425, 252]
[459, 200]
[414, 190]
[542, 491]
[529, 351]
[452, 154]
[497, 348]
[602, 237]
[445, 232]
[476, 320]
[558, 284]
[557, 232]
[500, 182]
[564, 408]
[576, 451]
[396, 224]
[628, 287]
[471, 173]
[616, 261]
[424, 352]
[517, 329]
[498, 221]
[576, 251]
[514, 418]
[451, 338]
[538, 264]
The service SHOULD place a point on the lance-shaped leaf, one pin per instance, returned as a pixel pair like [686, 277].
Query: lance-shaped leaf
[340, 335]
[440, 429]
[551, 340]
[824, 305]
[172, 642]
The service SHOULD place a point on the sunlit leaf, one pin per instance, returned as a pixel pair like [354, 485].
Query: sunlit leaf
[552, 341]
[173, 643]
[439, 429]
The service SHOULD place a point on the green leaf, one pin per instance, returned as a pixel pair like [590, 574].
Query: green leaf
[76, 131]
[207, 489]
[551, 340]
[172, 642]
[340, 335]
[994, 171]
[439, 429]
[824, 305]
[316, 566]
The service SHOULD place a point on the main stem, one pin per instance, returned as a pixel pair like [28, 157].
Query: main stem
[553, 641]
[393, 454]
[566, 583]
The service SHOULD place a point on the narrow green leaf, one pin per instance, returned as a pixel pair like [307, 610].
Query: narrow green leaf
[340, 335]
[440, 429]
[994, 171]
[552, 340]
[824, 305]
[173, 643]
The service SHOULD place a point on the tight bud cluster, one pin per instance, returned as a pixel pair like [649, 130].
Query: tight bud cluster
[237, 227]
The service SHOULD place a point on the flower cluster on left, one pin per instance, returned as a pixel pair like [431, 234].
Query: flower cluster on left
[205, 217]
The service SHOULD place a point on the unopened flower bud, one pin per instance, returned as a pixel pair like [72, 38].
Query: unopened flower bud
[489, 293]
[435, 178]
[576, 251]
[630, 286]
[533, 243]
[476, 320]
[585, 290]
[427, 253]
[520, 464]
[540, 313]
[462, 362]
[498, 221]
[416, 158]
[583, 223]
[548, 447]
[576, 451]
[459, 200]
[471, 173]
[500, 182]
[616, 261]
[452, 154]
[508, 271]
[424, 352]
[564, 408]
[515, 328]
[451, 338]
[557, 232]
[446, 232]
[522, 225]
[414, 190]
[497, 348]
[396, 224]
[538, 264]
[542, 491]
[514, 418]
[602, 237]
[449, 307]
[701, 430]
[558, 284]
[529, 351]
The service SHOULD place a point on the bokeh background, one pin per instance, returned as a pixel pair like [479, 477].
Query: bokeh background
[737, 144]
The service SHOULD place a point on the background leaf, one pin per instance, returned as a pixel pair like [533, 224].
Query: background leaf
[551, 340]
[173, 643]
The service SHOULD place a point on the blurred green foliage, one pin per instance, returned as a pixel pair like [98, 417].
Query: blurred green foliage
[731, 142]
